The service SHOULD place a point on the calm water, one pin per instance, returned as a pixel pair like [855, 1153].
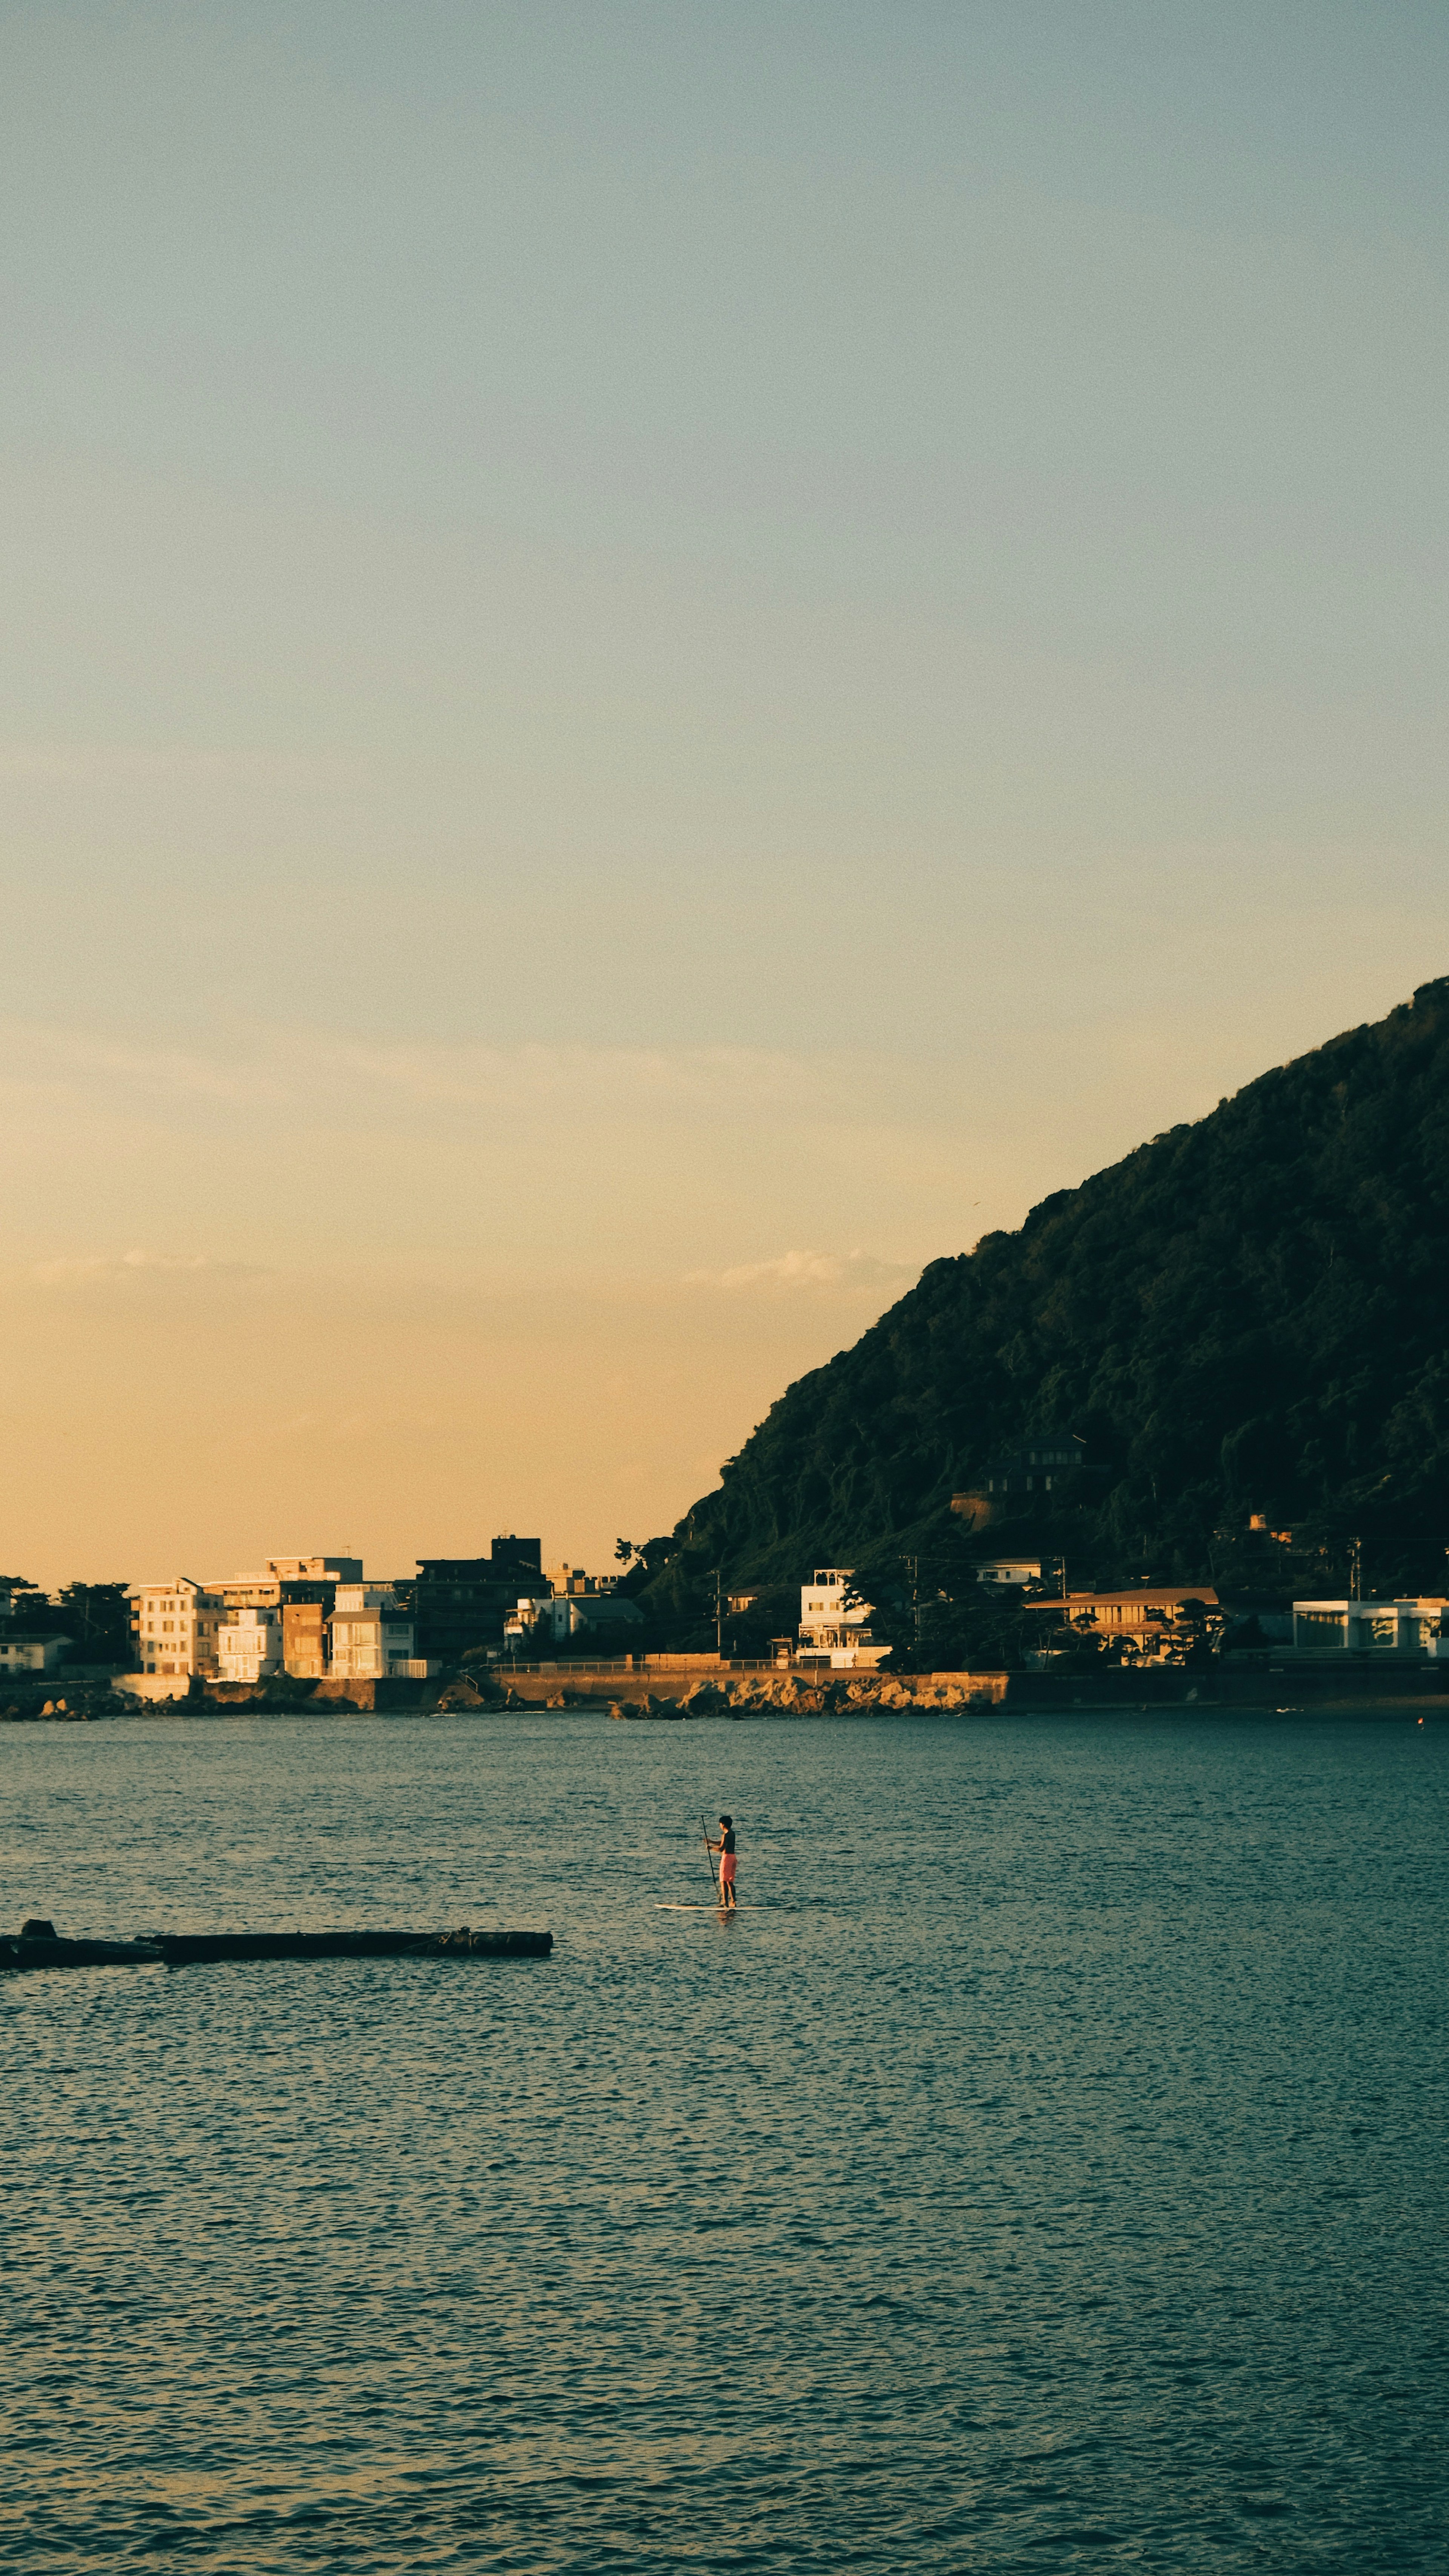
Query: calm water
[1046, 2171]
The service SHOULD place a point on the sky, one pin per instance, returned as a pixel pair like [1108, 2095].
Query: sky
[659, 662]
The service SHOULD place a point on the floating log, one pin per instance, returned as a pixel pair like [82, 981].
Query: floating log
[187, 1949]
[47, 1950]
[39, 1945]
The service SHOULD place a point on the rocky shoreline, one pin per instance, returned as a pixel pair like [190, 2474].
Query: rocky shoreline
[647, 1696]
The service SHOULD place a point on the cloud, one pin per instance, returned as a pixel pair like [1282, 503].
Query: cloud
[133, 1265]
[850, 1273]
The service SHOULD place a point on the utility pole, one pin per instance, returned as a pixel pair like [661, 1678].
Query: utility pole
[1355, 1569]
[912, 1565]
[718, 1616]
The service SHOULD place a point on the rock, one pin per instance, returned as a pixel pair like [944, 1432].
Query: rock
[706, 1699]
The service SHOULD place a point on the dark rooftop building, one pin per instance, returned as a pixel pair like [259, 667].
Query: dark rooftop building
[459, 1602]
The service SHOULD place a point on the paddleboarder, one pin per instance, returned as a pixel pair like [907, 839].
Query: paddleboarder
[724, 1844]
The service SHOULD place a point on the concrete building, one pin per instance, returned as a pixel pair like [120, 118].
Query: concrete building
[1145, 1618]
[175, 1626]
[577, 1584]
[1407, 1627]
[372, 1639]
[249, 1646]
[542, 1619]
[1000, 1570]
[305, 1638]
[458, 1604]
[33, 1654]
[831, 1633]
[287, 1578]
[1050, 1470]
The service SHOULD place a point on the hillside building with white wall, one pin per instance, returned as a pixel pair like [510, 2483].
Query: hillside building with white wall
[829, 1632]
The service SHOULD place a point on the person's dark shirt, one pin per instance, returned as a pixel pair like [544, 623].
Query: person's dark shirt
[727, 1839]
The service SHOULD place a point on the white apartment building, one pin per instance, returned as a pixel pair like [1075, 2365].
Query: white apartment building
[33, 1654]
[175, 1626]
[1010, 1569]
[249, 1646]
[830, 1632]
[372, 1640]
[1409, 1627]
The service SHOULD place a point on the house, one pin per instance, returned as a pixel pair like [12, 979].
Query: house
[540, 1617]
[175, 1626]
[305, 1637]
[372, 1638]
[829, 1631]
[249, 1646]
[1043, 1473]
[297, 1592]
[999, 1570]
[33, 1654]
[1408, 1627]
[1142, 1618]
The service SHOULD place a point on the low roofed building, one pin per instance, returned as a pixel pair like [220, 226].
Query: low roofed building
[1146, 1618]
[1411, 1626]
[33, 1654]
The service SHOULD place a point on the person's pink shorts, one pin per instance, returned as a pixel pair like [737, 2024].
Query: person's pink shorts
[727, 1869]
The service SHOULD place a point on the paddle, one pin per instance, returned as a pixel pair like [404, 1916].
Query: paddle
[709, 1856]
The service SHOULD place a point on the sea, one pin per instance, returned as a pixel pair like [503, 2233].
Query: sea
[1044, 2169]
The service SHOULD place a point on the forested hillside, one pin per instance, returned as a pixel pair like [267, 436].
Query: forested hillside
[1250, 1314]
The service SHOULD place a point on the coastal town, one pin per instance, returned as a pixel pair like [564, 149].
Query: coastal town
[319, 1621]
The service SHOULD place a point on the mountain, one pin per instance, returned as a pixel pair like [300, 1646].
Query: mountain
[1249, 1315]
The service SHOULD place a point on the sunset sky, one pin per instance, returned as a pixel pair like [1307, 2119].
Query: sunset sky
[658, 662]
